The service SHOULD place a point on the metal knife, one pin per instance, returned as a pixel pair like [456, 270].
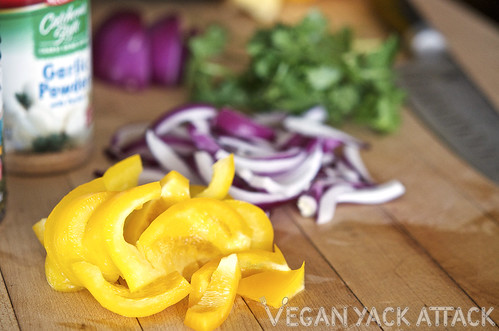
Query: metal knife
[442, 95]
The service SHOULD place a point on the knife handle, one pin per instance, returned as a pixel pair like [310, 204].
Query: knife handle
[420, 38]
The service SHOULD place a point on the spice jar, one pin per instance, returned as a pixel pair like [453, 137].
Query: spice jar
[46, 62]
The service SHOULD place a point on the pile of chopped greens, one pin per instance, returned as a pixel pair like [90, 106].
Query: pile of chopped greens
[294, 67]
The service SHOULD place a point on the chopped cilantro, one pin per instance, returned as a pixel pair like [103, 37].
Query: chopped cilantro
[295, 67]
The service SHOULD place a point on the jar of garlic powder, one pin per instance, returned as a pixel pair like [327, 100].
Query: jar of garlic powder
[46, 63]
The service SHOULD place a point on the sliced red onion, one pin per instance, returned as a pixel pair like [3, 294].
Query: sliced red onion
[126, 138]
[181, 145]
[271, 119]
[274, 164]
[121, 51]
[329, 200]
[167, 157]
[374, 195]
[317, 113]
[260, 199]
[352, 155]
[138, 147]
[312, 164]
[204, 163]
[290, 183]
[347, 173]
[128, 133]
[312, 128]
[203, 141]
[307, 205]
[236, 124]
[167, 51]
[246, 148]
[189, 113]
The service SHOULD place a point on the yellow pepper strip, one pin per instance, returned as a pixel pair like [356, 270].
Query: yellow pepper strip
[214, 306]
[200, 281]
[140, 219]
[124, 174]
[64, 237]
[39, 230]
[250, 262]
[262, 232]
[221, 180]
[192, 232]
[157, 296]
[196, 189]
[274, 285]
[106, 243]
[255, 261]
[56, 279]
[174, 188]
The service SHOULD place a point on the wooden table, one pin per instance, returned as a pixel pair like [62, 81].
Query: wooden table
[437, 246]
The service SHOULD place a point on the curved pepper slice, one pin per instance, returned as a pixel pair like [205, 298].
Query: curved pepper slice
[64, 237]
[39, 230]
[274, 285]
[124, 174]
[215, 304]
[150, 300]
[221, 179]
[192, 232]
[106, 243]
[262, 232]
[57, 279]
[174, 188]
[251, 262]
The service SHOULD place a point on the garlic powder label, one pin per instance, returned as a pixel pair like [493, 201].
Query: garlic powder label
[47, 77]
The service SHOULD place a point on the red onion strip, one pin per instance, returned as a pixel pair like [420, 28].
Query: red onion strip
[167, 157]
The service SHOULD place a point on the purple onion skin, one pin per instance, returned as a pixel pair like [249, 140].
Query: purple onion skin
[235, 123]
[168, 52]
[121, 51]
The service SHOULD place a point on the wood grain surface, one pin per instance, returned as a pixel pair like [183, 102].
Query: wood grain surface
[437, 246]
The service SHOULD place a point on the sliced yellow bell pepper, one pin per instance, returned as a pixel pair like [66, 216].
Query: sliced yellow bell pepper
[140, 219]
[39, 230]
[214, 306]
[251, 262]
[57, 279]
[192, 232]
[150, 300]
[255, 261]
[262, 232]
[274, 285]
[106, 244]
[152, 234]
[221, 180]
[194, 190]
[174, 188]
[64, 237]
[123, 175]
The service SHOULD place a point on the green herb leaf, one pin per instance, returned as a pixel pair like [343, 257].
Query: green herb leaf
[295, 67]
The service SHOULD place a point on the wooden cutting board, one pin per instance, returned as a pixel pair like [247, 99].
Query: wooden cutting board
[437, 246]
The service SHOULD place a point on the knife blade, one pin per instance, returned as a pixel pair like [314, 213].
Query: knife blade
[439, 93]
